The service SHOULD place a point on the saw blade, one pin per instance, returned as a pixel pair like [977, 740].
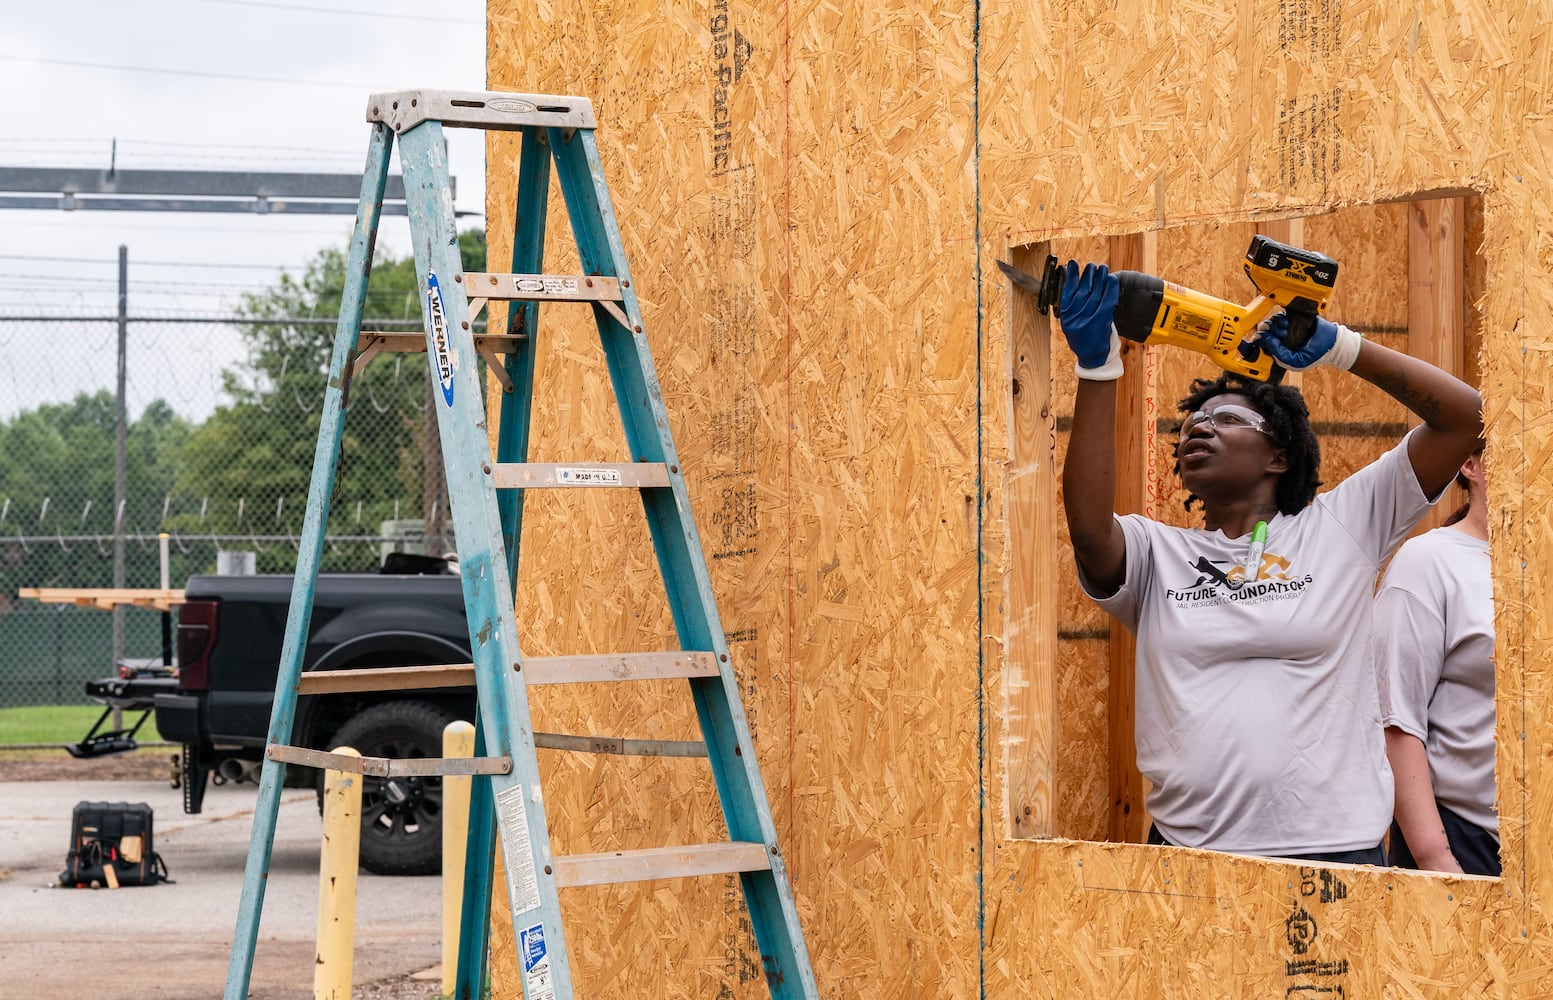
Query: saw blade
[1026, 281]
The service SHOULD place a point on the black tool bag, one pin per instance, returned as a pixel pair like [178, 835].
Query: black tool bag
[111, 846]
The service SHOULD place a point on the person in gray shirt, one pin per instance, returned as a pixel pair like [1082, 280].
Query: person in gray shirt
[1434, 649]
[1257, 714]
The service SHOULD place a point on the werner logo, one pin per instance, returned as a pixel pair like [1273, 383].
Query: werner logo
[511, 106]
[437, 336]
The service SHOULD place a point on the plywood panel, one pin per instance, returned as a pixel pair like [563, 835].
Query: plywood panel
[780, 207]
[1139, 144]
[812, 198]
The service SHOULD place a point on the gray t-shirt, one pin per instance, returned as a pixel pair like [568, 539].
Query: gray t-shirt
[1434, 648]
[1258, 716]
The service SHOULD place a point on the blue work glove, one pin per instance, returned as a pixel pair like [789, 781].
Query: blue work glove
[1331, 344]
[1085, 310]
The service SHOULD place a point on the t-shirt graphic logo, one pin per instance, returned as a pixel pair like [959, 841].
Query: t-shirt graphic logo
[1274, 567]
[1218, 585]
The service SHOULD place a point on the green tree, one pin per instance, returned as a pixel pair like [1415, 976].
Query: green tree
[248, 468]
[58, 481]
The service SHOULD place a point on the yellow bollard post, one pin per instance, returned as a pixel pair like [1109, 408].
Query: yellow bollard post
[337, 868]
[458, 740]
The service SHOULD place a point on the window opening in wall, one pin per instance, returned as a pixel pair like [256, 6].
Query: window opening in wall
[1070, 759]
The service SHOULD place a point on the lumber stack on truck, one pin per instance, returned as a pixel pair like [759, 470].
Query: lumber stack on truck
[106, 598]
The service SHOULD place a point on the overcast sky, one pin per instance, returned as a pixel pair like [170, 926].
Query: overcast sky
[208, 85]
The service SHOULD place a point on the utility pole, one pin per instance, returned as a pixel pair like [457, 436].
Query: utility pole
[120, 433]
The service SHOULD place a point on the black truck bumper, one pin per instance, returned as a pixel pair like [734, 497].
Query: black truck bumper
[178, 717]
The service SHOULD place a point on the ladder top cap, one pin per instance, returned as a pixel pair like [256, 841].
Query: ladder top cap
[402, 110]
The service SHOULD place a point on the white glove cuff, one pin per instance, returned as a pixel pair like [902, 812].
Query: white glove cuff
[1112, 369]
[1345, 351]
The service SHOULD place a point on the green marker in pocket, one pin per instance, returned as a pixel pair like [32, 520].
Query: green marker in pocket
[1254, 556]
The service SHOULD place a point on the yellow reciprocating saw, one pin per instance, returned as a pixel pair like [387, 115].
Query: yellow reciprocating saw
[1151, 310]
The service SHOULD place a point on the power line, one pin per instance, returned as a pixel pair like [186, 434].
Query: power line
[66, 140]
[244, 161]
[330, 224]
[8, 281]
[375, 15]
[262, 231]
[139, 263]
[168, 144]
[151, 154]
[81, 64]
[407, 321]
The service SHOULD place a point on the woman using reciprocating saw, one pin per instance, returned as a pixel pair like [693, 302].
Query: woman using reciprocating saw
[1258, 722]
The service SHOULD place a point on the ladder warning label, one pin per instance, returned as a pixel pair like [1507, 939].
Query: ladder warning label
[537, 982]
[546, 284]
[517, 851]
[588, 477]
[437, 336]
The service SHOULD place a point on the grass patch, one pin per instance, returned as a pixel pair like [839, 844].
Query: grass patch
[50, 723]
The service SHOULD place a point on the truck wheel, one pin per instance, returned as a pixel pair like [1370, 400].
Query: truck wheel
[401, 818]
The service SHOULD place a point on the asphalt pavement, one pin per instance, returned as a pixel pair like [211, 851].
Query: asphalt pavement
[173, 941]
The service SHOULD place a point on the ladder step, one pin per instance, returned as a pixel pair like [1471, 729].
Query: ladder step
[399, 342]
[442, 675]
[593, 668]
[583, 669]
[499, 111]
[543, 475]
[660, 862]
[388, 767]
[620, 745]
[542, 287]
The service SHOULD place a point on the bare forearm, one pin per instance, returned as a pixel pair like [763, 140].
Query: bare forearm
[1450, 409]
[1089, 484]
[1416, 811]
[1439, 399]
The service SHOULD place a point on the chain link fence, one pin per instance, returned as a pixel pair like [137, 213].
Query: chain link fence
[117, 429]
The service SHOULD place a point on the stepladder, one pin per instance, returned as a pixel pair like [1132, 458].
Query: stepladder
[487, 471]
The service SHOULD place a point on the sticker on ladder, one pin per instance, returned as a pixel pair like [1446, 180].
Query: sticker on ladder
[437, 336]
[537, 982]
[517, 850]
[546, 283]
[587, 477]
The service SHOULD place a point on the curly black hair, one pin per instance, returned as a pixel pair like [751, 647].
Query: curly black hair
[1288, 420]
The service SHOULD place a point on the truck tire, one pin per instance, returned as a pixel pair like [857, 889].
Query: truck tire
[401, 818]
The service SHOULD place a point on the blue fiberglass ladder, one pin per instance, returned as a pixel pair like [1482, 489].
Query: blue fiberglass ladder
[485, 496]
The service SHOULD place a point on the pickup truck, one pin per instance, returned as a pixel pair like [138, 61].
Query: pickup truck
[228, 644]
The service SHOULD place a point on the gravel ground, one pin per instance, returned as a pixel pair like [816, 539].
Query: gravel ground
[157, 763]
[57, 765]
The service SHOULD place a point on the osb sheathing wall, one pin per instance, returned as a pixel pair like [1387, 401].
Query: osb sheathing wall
[812, 199]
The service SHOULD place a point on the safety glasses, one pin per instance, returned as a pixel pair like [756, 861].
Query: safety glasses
[1226, 416]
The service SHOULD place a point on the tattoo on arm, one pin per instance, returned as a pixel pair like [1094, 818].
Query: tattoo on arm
[1395, 385]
